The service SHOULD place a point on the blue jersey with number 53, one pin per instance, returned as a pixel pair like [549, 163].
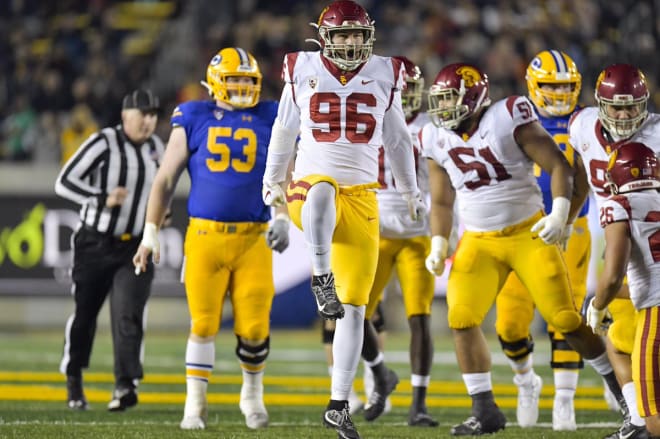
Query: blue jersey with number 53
[558, 129]
[227, 158]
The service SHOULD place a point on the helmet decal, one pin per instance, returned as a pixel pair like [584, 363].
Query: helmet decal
[469, 74]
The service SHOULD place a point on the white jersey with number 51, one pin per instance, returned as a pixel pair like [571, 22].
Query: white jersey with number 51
[493, 178]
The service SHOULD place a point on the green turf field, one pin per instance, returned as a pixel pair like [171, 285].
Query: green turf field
[32, 392]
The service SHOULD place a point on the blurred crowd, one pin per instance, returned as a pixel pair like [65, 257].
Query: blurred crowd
[65, 65]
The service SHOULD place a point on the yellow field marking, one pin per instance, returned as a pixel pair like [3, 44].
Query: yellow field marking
[300, 383]
[27, 392]
[47, 393]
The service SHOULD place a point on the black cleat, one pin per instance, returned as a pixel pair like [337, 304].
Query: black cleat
[421, 419]
[376, 404]
[475, 427]
[629, 431]
[341, 421]
[75, 395]
[122, 399]
[327, 302]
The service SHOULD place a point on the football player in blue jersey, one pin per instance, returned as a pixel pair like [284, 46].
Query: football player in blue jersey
[553, 83]
[228, 243]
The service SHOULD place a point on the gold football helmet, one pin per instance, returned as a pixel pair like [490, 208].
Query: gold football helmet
[555, 68]
[233, 62]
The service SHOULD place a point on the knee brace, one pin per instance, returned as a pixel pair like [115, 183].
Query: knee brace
[563, 355]
[515, 350]
[252, 358]
[566, 321]
[378, 319]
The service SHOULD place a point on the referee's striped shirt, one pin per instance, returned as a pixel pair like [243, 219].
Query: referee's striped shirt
[105, 161]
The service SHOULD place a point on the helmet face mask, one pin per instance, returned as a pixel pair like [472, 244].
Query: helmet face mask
[553, 82]
[346, 34]
[632, 167]
[458, 92]
[622, 94]
[225, 78]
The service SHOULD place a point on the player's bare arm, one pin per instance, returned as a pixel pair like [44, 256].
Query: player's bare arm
[162, 190]
[542, 149]
[442, 200]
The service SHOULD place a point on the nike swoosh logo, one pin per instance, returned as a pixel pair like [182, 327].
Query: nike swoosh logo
[367, 82]
[371, 218]
[627, 435]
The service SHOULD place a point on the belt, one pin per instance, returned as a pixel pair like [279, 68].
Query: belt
[220, 227]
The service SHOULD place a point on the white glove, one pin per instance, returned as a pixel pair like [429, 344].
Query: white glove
[550, 227]
[149, 244]
[277, 236]
[272, 194]
[416, 206]
[435, 261]
[565, 236]
[598, 320]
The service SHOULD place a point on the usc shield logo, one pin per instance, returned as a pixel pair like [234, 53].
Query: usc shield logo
[469, 74]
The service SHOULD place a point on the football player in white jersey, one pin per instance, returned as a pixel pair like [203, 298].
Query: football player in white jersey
[622, 94]
[403, 247]
[482, 157]
[345, 103]
[631, 219]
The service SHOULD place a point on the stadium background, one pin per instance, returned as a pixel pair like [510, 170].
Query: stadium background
[65, 65]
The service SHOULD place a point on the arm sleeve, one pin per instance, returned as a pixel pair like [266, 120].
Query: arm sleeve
[282, 138]
[398, 147]
[73, 181]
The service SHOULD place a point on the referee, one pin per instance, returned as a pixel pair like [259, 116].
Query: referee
[110, 177]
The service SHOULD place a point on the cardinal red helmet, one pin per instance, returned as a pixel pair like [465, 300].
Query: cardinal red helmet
[622, 94]
[411, 96]
[347, 17]
[632, 167]
[457, 93]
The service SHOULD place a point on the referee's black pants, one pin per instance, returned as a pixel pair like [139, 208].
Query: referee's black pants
[103, 264]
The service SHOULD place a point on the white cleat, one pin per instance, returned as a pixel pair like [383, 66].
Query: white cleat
[563, 415]
[195, 411]
[192, 423]
[255, 413]
[527, 411]
[253, 408]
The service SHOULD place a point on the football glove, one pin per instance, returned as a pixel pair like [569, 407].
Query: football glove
[277, 236]
[435, 261]
[272, 194]
[416, 206]
[550, 227]
[150, 244]
[598, 320]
